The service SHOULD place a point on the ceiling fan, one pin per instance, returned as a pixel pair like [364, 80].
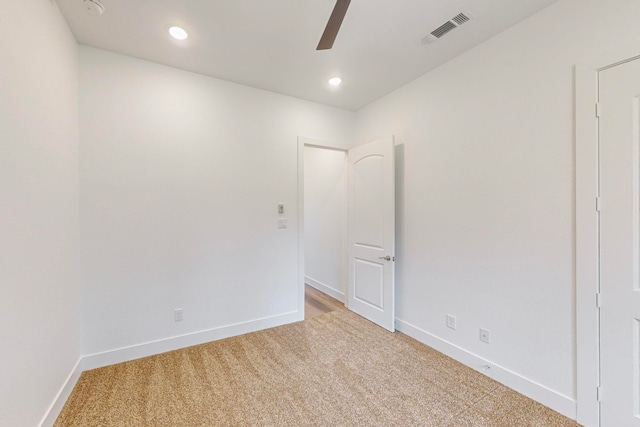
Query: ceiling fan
[333, 26]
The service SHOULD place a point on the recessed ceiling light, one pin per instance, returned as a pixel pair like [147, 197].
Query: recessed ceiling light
[178, 33]
[335, 81]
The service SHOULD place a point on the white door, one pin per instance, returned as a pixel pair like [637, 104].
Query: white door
[619, 93]
[371, 229]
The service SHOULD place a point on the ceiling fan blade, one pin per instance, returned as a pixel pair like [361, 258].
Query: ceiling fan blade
[333, 26]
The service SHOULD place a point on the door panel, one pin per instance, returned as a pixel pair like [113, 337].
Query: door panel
[369, 203]
[369, 282]
[371, 218]
[619, 124]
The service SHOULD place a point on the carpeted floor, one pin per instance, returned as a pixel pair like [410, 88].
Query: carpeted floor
[335, 369]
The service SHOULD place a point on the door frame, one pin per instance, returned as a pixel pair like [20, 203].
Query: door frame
[303, 142]
[587, 230]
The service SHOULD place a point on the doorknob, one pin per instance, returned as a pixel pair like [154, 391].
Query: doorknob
[386, 258]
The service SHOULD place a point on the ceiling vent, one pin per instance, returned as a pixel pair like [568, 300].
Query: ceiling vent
[443, 29]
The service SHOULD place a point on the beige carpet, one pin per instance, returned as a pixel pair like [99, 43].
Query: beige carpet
[336, 369]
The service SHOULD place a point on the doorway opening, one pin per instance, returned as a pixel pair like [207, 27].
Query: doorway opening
[356, 252]
[325, 228]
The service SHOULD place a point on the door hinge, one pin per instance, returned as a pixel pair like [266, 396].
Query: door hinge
[598, 300]
[598, 204]
[599, 393]
[598, 109]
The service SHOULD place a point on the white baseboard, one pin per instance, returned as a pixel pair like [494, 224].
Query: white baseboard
[537, 392]
[325, 288]
[125, 354]
[556, 401]
[65, 391]
[98, 360]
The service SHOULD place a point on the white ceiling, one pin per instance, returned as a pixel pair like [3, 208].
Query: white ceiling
[270, 44]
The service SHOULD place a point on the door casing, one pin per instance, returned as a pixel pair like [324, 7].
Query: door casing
[587, 230]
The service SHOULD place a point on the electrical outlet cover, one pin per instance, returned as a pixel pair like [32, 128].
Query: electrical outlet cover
[451, 322]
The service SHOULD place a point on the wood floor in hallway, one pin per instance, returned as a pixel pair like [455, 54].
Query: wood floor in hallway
[316, 303]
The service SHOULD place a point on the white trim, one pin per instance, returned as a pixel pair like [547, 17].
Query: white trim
[54, 410]
[586, 228]
[586, 223]
[321, 143]
[340, 296]
[301, 226]
[125, 354]
[620, 55]
[556, 401]
[318, 143]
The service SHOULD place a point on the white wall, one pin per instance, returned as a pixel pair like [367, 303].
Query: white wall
[39, 268]
[181, 175]
[486, 223]
[325, 220]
